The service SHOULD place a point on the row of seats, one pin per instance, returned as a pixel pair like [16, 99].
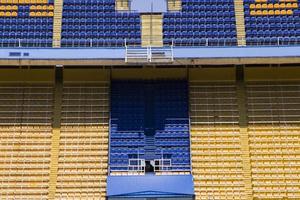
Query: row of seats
[97, 21]
[267, 20]
[273, 139]
[25, 134]
[169, 122]
[215, 142]
[201, 20]
[29, 20]
[82, 162]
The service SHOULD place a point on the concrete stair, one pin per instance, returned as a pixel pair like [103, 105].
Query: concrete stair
[240, 22]
[122, 5]
[174, 5]
[150, 148]
[57, 23]
[152, 30]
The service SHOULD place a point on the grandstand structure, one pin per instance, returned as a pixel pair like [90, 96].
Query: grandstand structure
[150, 99]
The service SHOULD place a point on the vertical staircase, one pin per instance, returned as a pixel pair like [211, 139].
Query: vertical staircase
[122, 5]
[54, 163]
[152, 30]
[150, 148]
[174, 5]
[57, 23]
[240, 22]
[244, 135]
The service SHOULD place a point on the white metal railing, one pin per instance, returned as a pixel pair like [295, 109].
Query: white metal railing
[166, 166]
[149, 54]
[175, 42]
[162, 165]
[135, 166]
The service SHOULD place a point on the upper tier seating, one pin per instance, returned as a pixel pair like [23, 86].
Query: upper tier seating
[149, 120]
[96, 23]
[26, 23]
[272, 22]
[201, 22]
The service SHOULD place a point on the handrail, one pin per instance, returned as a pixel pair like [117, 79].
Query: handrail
[196, 42]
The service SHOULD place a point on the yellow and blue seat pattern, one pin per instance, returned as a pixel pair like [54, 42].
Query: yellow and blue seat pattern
[272, 22]
[26, 23]
[85, 23]
[201, 22]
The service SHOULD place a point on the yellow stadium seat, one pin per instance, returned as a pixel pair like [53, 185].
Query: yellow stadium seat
[271, 12]
[282, 5]
[252, 12]
[277, 12]
[9, 1]
[289, 12]
[14, 7]
[33, 7]
[27, 1]
[264, 6]
[2, 7]
[50, 7]
[265, 12]
[295, 5]
[276, 6]
[45, 7]
[32, 14]
[252, 6]
[283, 12]
[270, 6]
[258, 6]
[50, 14]
[8, 14]
[14, 14]
[39, 7]
[44, 14]
[288, 5]
[38, 14]
[2, 14]
[258, 12]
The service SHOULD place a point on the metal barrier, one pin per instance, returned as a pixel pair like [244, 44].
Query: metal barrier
[196, 42]
[135, 166]
[149, 54]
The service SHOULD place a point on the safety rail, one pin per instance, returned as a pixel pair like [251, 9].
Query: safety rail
[149, 54]
[196, 42]
[134, 167]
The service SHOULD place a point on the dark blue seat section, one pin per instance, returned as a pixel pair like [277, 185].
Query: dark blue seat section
[272, 29]
[128, 119]
[26, 31]
[201, 23]
[96, 23]
[127, 123]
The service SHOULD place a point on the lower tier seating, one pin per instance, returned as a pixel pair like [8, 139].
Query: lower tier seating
[217, 162]
[83, 148]
[82, 164]
[275, 160]
[24, 162]
[274, 139]
[215, 142]
[149, 121]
